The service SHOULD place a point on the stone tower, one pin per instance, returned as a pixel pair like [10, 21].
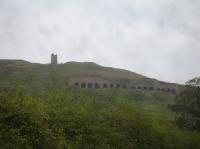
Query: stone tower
[54, 60]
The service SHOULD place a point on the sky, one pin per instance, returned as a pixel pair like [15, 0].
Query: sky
[157, 38]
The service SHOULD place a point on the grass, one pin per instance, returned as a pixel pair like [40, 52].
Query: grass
[152, 102]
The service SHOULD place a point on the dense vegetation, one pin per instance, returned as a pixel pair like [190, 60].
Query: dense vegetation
[44, 113]
[74, 119]
[187, 108]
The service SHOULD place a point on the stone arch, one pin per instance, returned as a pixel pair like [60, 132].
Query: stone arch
[117, 85]
[151, 88]
[173, 91]
[76, 84]
[105, 85]
[90, 85]
[83, 85]
[111, 85]
[168, 90]
[124, 86]
[163, 89]
[158, 89]
[96, 85]
[133, 87]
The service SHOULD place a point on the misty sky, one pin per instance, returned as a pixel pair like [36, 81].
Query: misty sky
[157, 38]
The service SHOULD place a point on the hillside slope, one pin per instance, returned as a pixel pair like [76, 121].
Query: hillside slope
[43, 75]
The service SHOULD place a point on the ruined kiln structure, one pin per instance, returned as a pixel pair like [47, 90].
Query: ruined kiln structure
[98, 83]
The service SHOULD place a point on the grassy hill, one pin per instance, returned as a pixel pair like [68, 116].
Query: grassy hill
[40, 76]
[41, 111]
[70, 69]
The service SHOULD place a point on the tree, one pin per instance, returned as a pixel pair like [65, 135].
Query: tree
[187, 106]
[194, 82]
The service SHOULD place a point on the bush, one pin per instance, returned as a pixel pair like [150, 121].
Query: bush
[84, 119]
[187, 108]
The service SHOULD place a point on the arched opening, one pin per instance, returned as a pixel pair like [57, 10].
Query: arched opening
[163, 89]
[139, 87]
[151, 88]
[76, 84]
[145, 88]
[173, 91]
[158, 89]
[90, 85]
[168, 90]
[96, 85]
[133, 87]
[83, 85]
[117, 85]
[124, 86]
[105, 86]
[111, 85]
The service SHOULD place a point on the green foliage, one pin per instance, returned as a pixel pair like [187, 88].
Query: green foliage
[187, 108]
[88, 119]
[22, 121]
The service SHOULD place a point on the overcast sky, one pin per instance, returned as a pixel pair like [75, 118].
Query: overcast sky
[156, 38]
